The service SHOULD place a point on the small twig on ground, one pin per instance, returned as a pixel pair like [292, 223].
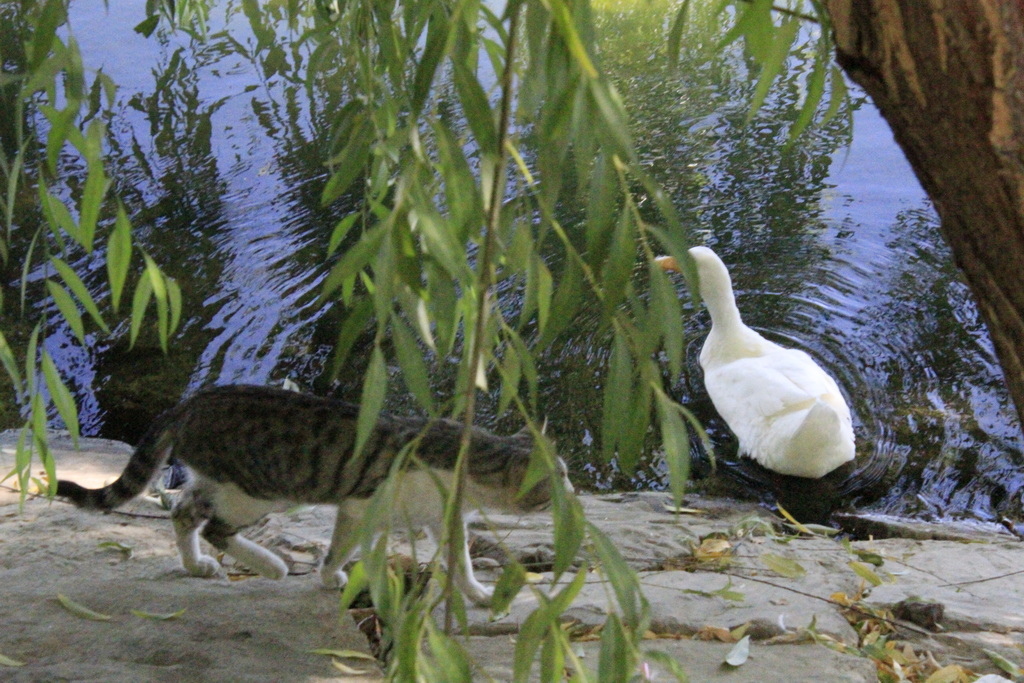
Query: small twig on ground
[988, 578]
[860, 610]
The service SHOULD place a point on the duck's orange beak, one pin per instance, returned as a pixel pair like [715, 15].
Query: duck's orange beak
[668, 263]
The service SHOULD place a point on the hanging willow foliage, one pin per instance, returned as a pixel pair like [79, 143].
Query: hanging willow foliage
[465, 130]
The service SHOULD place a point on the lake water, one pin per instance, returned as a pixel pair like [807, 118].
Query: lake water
[832, 245]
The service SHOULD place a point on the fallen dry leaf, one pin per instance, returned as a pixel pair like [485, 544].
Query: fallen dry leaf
[81, 610]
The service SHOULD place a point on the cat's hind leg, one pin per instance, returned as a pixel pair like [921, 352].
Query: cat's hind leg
[189, 514]
[232, 511]
[463, 573]
[224, 536]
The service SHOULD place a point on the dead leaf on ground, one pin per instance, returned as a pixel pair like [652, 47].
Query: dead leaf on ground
[713, 550]
[81, 610]
[718, 633]
[155, 616]
[740, 653]
[8, 661]
[783, 566]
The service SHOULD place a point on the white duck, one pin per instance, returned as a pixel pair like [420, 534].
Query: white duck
[786, 411]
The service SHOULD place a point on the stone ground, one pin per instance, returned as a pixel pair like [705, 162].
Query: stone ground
[963, 587]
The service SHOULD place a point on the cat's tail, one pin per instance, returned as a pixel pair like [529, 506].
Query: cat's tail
[148, 457]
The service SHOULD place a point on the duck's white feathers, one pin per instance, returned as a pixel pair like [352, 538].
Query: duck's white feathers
[788, 413]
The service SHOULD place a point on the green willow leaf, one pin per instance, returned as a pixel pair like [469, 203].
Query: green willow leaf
[357, 583]
[638, 421]
[618, 269]
[544, 287]
[618, 396]
[675, 440]
[10, 363]
[838, 95]
[119, 256]
[449, 655]
[614, 121]
[340, 231]
[675, 34]
[174, 302]
[375, 384]
[410, 358]
[624, 581]
[30, 360]
[442, 246]
[143, 293]
[80, 291]
[815, 92]
[148, 25]
[45, 33]
[160, 295]
[68, 309]
[552, 657]
[511, 373]
[561, 600]
[569, 528]
[529, 367]
[57, 216]
[433, 51]
[565, 303]
[13, 177]
[563, 19]
[476, 109]
[773, 62]
[677, 247]
[351, 330]
[351, 161]
[96, 185]
[61, 127]
[354, 260]
[616, 658]
[528, 640]
[668, 315]
[512, 579]
[602, 205]
[756, 27]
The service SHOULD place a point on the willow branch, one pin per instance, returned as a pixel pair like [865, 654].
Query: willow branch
[484, 280]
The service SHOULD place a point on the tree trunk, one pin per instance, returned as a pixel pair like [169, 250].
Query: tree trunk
[949, 78]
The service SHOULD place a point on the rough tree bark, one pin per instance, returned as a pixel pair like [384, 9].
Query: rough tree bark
[948, 76]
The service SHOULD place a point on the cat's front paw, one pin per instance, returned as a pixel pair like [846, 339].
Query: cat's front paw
[203, 566]
[334, 579]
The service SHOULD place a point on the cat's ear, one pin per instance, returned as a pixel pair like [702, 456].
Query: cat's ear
[525, 433]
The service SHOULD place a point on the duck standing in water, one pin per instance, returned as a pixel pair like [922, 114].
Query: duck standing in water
[786, 411]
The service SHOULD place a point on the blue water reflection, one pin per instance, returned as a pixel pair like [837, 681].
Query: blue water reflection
[833, 249]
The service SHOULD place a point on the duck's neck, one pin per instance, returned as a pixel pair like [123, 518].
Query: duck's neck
[716, 291]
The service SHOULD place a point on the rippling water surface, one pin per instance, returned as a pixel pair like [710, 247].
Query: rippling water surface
[832, 245]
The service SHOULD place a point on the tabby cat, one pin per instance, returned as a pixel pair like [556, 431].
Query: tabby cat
[254, 450]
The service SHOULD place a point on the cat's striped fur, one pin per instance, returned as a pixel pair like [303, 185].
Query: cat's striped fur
[254, 450]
